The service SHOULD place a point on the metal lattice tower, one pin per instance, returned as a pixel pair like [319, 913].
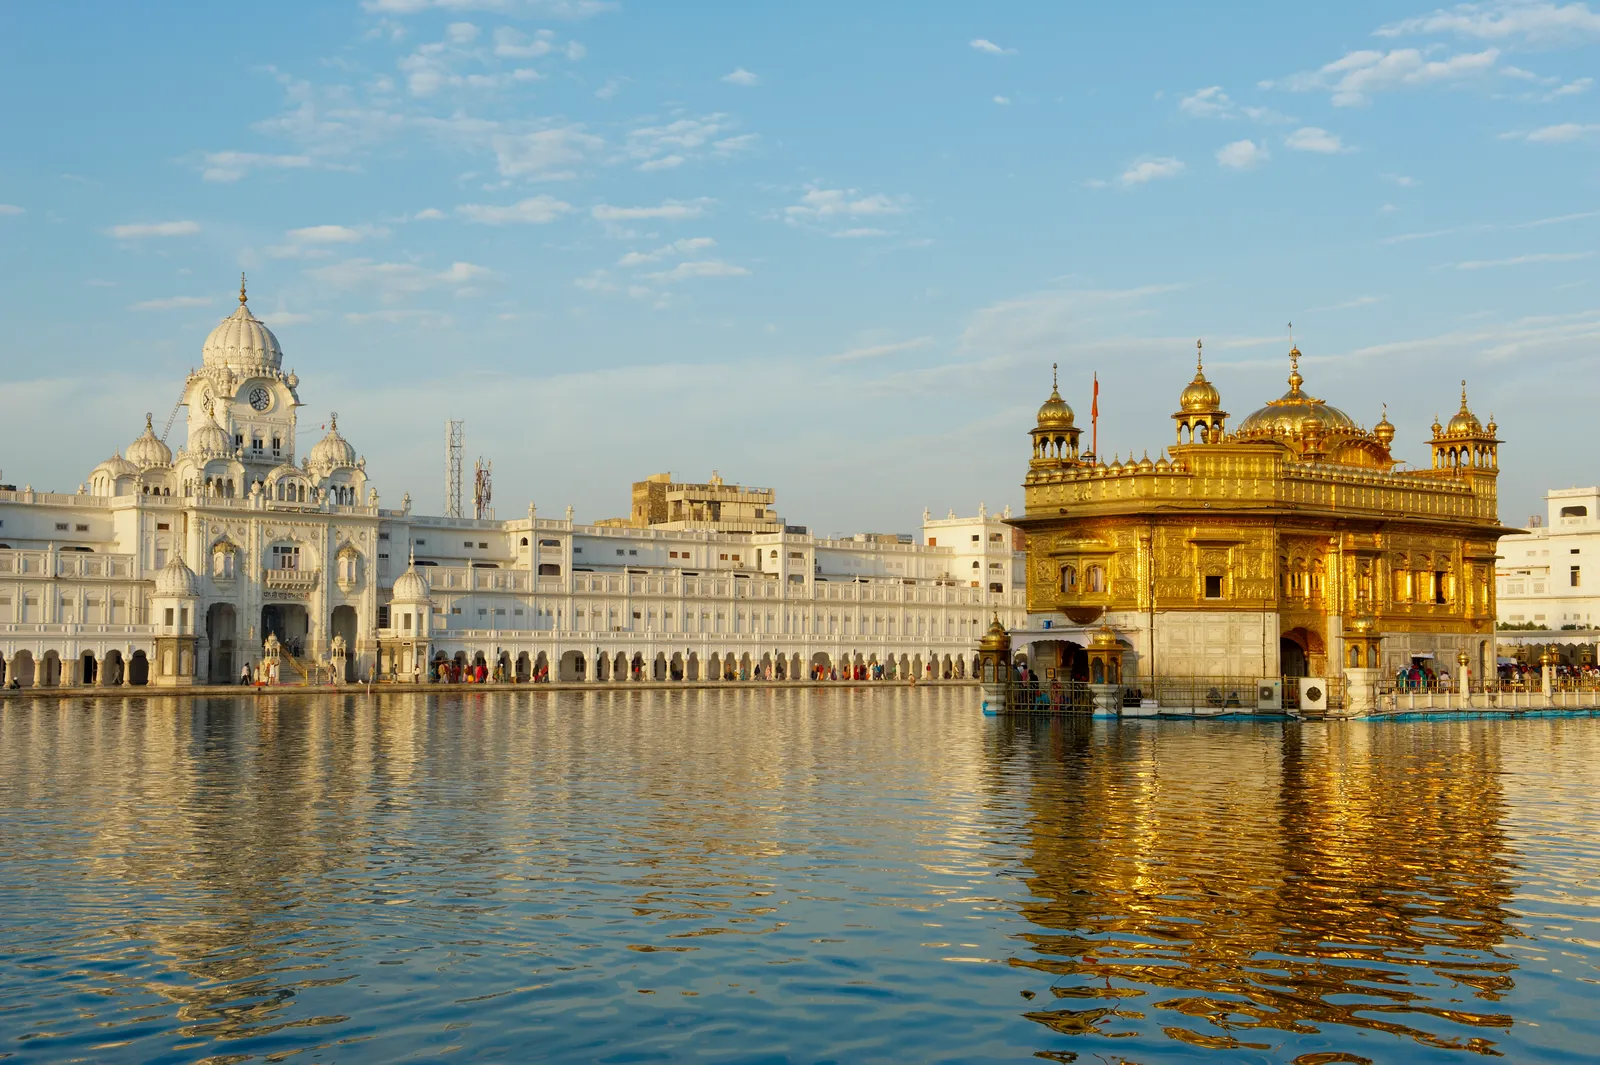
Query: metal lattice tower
[454, 432]
[482, 488]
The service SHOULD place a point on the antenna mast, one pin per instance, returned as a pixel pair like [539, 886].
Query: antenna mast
[482, 488]
[453, 447]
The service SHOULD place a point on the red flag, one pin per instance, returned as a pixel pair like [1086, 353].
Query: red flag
[1094, 419]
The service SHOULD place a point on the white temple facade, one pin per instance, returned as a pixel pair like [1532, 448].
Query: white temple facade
[173, 568]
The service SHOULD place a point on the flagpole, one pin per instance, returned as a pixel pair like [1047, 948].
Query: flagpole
[1094, 419]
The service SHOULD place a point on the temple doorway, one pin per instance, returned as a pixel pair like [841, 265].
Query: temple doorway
[1291, 658]
[289, 622]
[221, 627]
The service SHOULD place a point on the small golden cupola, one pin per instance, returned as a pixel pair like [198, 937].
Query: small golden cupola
[1384, 430]
[1200, 416]
[1055, 437]
[1465, 443]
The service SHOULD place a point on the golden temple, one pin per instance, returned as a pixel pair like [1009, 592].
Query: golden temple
[1294, 544]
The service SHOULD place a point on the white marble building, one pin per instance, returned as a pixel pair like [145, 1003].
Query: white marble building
[1549, 577]
[172, 568]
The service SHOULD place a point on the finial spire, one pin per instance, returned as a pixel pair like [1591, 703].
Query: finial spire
[1054, 385]
[242, 296]
[1199, 357]
[149, 422]
[1463, 394]
[333, 421]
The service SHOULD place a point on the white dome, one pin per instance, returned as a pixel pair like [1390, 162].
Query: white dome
[177, 579]
[116, 466]
[333, 449]
[242, 343]
[411, 586]
[148, 450]
[210, 438]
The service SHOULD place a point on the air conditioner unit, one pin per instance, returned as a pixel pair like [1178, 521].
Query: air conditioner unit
[1313, 694]
[1269, 694]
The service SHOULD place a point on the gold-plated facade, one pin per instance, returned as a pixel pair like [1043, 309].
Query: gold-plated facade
[1275, 538]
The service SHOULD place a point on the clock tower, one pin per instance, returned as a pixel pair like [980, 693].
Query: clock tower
[242, 390]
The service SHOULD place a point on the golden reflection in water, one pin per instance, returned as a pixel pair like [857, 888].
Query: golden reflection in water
[1315, 879]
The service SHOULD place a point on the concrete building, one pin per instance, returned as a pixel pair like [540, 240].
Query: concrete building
[1549, 577]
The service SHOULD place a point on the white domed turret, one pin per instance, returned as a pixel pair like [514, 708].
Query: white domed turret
[242, 343]
[116, 466]
[411, 586]
[148, 450]
[176, 579]
[209, 438]
[333, 449]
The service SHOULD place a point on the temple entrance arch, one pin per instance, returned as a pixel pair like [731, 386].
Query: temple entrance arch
[289, 622]
[1292, 660]
[343, 623]
[88, 668]
[139, 669]
[22, 669]
[221, 627]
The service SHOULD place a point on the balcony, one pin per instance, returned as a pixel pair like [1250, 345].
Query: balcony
[292, 580]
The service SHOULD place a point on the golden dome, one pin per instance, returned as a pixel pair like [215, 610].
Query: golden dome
[1055, 414]
[1105, 638]
[1384, 430]
[1199, 396]
[1290, 412]
[996, 639]
[1465, 421]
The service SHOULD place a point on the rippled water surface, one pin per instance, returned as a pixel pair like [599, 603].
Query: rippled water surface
[878, 875]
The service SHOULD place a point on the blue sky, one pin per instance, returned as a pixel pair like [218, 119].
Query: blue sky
[828, 247]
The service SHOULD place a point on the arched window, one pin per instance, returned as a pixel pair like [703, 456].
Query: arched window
[1069, 579]
[1095, 577]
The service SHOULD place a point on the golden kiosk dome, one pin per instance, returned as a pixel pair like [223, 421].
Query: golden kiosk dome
[1055, 414]
[1199, 396]
[1464, 421]
[1291, 412]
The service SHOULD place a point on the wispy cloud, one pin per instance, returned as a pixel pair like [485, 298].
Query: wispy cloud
[1351, 304]
[696, 268]
[1524, 260]
[231, 166]
[11, 209]
[1002, 100]
[535, 210]
[1212, 102]
[1541, 23]
[134, 231]
[1562, 133]
[821, 204]
[878, 351]
[741, 76]
[392, 280]
[171, 303]
[1148, 170]
[668, 211]
[1241, 155]
[990, 47]
[687, 246]
[546, 154]
[858, 232]
[1358, 76]
[1315, 139]
[314, 241]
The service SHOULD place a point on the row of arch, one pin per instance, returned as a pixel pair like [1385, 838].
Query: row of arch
[1465, 456]
[51, 670]
[575, 666]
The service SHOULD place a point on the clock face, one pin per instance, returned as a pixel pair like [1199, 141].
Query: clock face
[260, 398]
